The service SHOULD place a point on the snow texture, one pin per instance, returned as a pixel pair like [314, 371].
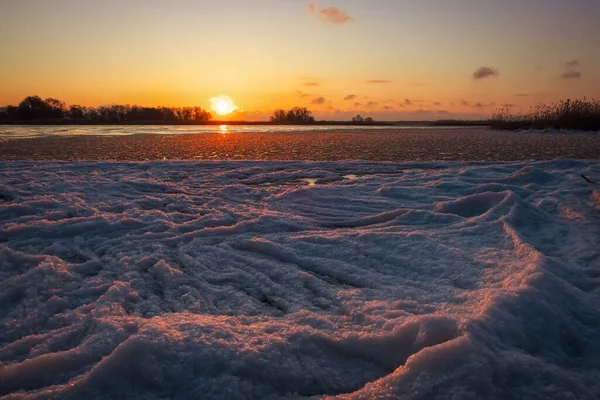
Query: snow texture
[267, 280]
[546, 131]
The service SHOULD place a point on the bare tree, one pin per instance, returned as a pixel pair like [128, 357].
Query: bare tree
[296, 115]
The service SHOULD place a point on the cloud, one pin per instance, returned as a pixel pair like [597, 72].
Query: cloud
[301, 94]
[521, 95]
[350, 97]
[484, 105]
[509, 105]
[388, 108]
[330, 15]
[437, 103]
[372, 104]
[571, 70]
[572, 63]
[318, 100]
[571, 75]
[442, 112]
[485, 72]
[464, 103]
[407, 102]
[311, 84]
[423, 112]
[481, 105]
[379, 81]
[357, 104]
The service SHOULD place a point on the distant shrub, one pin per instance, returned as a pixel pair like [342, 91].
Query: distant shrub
[296, 115]
[358, 120]
[568, 114]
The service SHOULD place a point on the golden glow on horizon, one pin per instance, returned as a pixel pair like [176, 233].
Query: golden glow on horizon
[223, 129]
[95, 59]
[222, 105]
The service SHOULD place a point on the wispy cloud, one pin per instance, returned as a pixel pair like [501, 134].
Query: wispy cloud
[330, 15]
[408, 102]
[372, 104]
[482, 105]
[521, 95]
[571, 70]
[571, 75]
[379, 81]
[464, 103]
[437, 103]
[509, 105]
[485, 72]
[311, 84]
[350, 97]
[318, 100]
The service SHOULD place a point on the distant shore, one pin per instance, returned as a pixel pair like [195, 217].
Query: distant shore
[235, 123]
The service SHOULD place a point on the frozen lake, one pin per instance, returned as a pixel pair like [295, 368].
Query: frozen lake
[31, 131]
[268, 280]
[131, 143]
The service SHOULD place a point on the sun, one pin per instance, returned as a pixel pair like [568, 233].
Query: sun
[222, 105]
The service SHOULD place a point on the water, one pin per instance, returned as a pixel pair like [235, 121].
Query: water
[31, 131]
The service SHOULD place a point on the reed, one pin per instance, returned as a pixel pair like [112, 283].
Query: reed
[569, 114]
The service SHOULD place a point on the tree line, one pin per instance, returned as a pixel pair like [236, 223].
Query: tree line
[296, 115]
[34, 108]
[302, 116]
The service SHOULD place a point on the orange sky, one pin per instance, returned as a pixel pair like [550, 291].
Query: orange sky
[389, 59]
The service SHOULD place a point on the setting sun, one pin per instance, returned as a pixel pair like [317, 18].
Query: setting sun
[222, 105]
[299, 199]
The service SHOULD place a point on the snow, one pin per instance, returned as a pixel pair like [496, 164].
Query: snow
[548, 131]
[267, 280]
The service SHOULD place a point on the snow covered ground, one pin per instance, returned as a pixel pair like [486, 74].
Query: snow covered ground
[265, 280]
[546, 131]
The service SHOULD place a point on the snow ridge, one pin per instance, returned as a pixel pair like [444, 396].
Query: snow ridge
[268, 280]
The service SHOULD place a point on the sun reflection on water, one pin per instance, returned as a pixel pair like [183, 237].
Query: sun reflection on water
[223, 129]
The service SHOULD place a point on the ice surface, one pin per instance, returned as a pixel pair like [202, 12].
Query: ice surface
[31, 131]
[240, 280]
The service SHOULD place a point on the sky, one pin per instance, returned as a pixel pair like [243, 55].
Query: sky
[389, 59]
